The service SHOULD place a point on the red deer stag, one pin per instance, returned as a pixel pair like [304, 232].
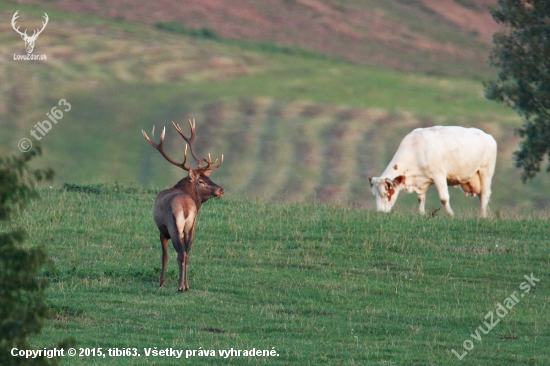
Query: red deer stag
[176, 208]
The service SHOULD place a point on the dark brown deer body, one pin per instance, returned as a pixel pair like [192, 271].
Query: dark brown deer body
[176, 208]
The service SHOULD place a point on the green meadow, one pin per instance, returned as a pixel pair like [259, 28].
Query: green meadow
[319, 284]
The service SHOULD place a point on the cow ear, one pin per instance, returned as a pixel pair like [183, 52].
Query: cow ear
[399, 180]
[389, 183]
[370, 181]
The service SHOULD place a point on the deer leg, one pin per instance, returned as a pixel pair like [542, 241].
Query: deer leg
[178, 246]
[164, 245]
[187, 247]
[185, 276]
[180, 265]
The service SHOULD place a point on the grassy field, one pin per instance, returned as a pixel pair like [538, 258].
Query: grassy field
[319, 284]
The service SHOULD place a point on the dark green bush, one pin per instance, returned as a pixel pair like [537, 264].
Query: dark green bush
[23, 309]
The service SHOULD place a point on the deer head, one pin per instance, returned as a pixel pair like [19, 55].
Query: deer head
[203, 187]
[29, 40]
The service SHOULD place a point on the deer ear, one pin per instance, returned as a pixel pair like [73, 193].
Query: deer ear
[23, 36]
[207, 172]
[192, 175]
[370, 181]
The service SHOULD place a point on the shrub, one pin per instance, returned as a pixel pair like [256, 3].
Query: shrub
[22, 300]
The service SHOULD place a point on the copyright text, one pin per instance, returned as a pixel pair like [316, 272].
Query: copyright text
[147, 352]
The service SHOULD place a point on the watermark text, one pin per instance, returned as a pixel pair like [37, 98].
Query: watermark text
[501, 311]
[42, 128]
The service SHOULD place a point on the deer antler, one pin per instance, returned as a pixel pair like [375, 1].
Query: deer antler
[209, 162]
[13, 19]
[191, 140]
[210, 165]
[160, 148]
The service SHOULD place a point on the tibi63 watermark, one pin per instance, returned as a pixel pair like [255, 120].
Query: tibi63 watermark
[42, 128]
[29, 40]
[501, 311]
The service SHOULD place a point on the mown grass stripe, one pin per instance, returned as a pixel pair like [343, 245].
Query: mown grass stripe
[244, 147]
[275, 148]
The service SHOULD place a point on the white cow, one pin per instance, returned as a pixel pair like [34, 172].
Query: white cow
[444, 156]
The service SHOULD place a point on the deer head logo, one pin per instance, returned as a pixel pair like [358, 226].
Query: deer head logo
[29, 40]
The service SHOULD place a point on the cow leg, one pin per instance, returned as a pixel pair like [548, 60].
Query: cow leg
[484, 198]
[164, 245]
[443, 191]
[485, 193]
[421, 203]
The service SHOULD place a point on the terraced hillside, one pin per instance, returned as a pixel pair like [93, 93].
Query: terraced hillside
[293, 125]
[447, 37]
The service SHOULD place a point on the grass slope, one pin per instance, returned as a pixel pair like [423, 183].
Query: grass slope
[417, 36]
[294, 126]
[323, 285]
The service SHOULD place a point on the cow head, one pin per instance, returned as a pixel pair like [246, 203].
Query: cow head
[385, 190]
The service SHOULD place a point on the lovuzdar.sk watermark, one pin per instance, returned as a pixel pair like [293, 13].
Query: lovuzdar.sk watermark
[501, 311]
[29, 40]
